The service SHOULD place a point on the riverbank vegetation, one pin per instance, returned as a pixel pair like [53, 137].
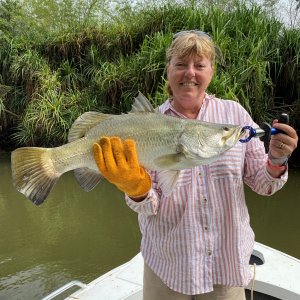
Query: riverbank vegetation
[59, 59]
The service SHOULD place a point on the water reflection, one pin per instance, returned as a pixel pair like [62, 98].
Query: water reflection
[275, 220]
[79, 235]
[30, 283]
[72, 235]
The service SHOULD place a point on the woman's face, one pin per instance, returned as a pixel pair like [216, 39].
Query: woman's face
[189, 78]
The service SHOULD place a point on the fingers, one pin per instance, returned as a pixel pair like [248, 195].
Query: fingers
[118, 152]
[112, 152]
[282, 145]
[130, 153]
[278, 148]
[281, 141]
[98, 156]
[112, 156]
[290, 131]
[108, 157]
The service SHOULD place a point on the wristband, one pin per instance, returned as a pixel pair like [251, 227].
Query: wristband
[276, 167]
[281, 161]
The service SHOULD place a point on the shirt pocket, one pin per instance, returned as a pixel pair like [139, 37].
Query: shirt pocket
[184, 178]
[229, 164]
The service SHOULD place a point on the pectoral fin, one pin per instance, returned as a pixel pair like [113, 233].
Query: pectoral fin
[169, 161]
[176, 161]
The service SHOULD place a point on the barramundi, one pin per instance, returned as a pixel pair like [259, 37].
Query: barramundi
[164, 143]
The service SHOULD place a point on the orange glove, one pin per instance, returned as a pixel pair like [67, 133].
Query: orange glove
[118, 163]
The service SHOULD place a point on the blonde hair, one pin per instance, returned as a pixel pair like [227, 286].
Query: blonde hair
[191, 43]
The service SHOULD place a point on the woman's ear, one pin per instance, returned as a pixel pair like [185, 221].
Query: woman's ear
[169, 90]
[167, 69]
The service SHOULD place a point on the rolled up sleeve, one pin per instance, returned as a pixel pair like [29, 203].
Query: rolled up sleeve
[150, 205]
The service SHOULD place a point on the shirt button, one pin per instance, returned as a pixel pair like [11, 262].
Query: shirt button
[205, 227]
[209, 252]
[200, 174]
[204, 199]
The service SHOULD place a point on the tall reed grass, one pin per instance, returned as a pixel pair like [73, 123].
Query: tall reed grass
[47, 80]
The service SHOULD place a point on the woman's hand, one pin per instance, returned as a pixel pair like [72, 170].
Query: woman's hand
[282, 145]
[118, 163]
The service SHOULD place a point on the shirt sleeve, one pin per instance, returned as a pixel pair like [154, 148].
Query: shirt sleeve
[256, 175]
[150, 205]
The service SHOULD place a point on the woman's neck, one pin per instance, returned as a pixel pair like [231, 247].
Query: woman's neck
[189, 112]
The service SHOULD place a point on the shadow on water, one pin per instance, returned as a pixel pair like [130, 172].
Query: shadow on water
[79, 235]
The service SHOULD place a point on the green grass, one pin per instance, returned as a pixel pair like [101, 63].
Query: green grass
[52, 76]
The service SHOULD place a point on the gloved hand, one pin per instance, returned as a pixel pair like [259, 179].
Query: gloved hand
[118, 163]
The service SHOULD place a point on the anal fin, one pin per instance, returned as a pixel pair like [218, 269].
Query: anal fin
[167, 180]
[87, 178]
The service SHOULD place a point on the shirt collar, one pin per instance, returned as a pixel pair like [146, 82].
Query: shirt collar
[167, 107]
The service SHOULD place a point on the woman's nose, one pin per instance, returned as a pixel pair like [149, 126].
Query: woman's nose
[190, 71]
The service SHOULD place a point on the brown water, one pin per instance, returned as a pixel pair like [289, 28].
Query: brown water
[79, 235]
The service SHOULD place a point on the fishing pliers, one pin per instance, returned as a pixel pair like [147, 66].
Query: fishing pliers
[265, 131]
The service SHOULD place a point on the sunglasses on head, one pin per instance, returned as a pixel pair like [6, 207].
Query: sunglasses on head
[197, 32]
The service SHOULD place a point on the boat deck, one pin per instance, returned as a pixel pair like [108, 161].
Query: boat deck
[277, 276]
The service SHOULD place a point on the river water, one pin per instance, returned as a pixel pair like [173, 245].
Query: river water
[79, 235]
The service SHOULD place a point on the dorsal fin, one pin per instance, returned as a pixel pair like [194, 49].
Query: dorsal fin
[141, 104]
[91, 118]
[84, 123]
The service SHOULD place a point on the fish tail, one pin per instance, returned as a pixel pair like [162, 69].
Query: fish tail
[33, 172]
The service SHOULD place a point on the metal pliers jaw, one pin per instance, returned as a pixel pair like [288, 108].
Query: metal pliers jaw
[261, 132]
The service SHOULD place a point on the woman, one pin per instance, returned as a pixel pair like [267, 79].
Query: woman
[197, 242]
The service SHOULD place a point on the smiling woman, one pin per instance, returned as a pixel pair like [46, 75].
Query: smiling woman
[197, 238]
[190, 67]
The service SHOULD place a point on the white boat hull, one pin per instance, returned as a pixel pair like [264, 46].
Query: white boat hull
[276, 275]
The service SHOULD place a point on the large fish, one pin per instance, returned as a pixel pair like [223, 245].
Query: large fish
[164, 143]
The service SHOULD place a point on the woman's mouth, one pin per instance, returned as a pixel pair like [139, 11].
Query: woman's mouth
[188, 83]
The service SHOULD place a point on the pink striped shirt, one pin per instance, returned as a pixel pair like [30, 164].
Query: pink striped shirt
[200, 234]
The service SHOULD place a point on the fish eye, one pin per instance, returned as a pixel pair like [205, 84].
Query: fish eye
[225, 128]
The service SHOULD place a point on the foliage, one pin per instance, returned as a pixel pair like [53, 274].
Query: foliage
[60, 58]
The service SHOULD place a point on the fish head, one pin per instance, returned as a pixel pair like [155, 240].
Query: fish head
[205, 142]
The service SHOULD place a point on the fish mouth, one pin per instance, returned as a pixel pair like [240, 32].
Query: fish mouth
[242, 132]
[235, 136]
